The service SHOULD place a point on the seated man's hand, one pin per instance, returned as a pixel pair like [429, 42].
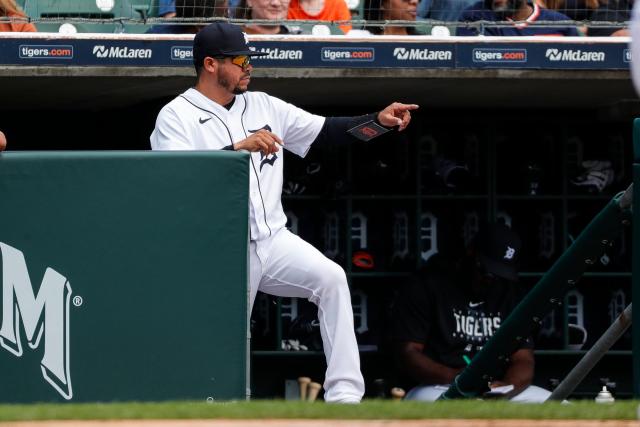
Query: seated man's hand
[3, 141]
[495, 384]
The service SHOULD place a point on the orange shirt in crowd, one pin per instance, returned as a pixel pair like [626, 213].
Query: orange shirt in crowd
[17, 26]
[334, 10]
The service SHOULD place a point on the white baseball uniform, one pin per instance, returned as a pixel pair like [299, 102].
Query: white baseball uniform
[635, 46]
[281, 263]
[431, 393]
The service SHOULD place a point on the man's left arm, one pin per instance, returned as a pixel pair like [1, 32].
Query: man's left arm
[343, 129]
[519, 371]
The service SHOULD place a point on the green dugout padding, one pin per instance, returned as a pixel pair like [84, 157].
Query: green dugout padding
[124, 276]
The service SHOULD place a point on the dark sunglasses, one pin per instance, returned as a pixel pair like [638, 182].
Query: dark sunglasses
[241, 61]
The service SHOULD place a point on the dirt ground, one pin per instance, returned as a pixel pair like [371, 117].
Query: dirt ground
[329, 423]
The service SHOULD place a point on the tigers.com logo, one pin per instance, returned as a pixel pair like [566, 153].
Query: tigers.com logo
[499, 55]
[181, 53]
[45, 51]
[353, 54]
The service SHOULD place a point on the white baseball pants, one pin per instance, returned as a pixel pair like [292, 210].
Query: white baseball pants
[287, 266]
[430, 393]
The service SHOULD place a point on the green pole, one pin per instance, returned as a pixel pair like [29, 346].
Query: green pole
[547, 294]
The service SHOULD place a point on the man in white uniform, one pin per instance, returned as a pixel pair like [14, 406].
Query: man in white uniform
[219, 114]
[635, 46]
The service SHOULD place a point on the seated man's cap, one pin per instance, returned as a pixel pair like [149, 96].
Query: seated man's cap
[498, 250]
[221, 39]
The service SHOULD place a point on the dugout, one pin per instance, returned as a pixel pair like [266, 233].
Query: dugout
[522, 129]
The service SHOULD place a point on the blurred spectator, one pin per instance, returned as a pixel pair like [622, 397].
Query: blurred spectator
[3, 141]
[9, 9]
[612, 11]
[274, 10]
[321, 10]
[443, 318]
[167, 8]
[443, 10]
[596, 10]
[522, 15]
[391, 10]
[195, 9]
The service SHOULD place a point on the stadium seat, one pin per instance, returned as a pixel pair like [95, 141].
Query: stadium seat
[117, 15]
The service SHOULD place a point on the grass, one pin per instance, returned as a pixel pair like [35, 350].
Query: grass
[370, 409]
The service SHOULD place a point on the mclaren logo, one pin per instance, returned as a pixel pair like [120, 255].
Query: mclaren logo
[281, 54]
[124, 52]
[46, 313]
[553, 55]
[403, 54]
[574, 55]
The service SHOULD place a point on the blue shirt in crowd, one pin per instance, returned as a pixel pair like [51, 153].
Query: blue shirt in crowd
[478, 12]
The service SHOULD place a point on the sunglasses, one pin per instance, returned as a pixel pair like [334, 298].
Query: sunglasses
[241, 61]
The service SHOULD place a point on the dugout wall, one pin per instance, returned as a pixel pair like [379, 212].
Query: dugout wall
[124, 276]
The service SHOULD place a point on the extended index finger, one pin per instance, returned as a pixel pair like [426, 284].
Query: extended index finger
[407, 107]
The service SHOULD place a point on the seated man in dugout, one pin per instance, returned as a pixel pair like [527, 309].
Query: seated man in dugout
[443, 318]
[523, 15]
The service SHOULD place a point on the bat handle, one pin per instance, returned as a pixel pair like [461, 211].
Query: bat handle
[314, 388]
[397, 393]
[304, 384]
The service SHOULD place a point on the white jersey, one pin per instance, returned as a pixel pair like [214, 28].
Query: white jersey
[194, 122]
[635, 46]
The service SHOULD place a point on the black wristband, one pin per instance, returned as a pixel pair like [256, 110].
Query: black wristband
[229, 147]
[367, 127]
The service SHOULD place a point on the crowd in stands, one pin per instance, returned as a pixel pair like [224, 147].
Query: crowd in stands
[12, 19]
[462, 17]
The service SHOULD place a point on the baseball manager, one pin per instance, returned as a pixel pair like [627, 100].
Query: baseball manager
[220, 114]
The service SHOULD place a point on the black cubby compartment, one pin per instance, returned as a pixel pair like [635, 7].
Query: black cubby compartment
[539, 225]
[528, 162]
[452, 161]
[382, 234]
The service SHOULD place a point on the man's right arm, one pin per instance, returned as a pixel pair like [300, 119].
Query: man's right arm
[421, 367]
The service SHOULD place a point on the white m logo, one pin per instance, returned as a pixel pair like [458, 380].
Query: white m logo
[401, 53]
[553, 54]
[19, 301]
[100, 51]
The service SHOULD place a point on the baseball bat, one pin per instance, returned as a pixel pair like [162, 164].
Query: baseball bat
[314, 388]
[304, 383]
[397, 393]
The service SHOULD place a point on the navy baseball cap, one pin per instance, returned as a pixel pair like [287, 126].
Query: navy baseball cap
[221, 39]
[498, 251]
